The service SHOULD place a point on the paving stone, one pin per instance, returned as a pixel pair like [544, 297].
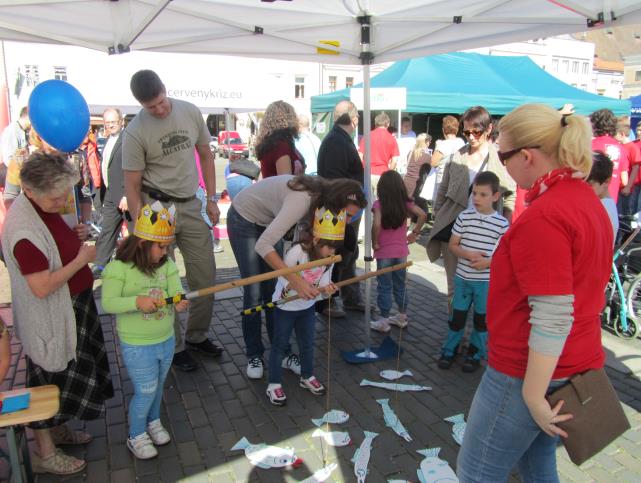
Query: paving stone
[125, 475]
[197, 417]
[120, 456]
[189, 453]
[171, 469]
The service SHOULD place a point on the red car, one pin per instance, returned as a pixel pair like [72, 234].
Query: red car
[230, 141]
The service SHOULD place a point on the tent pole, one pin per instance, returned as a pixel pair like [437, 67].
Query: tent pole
[398, 132]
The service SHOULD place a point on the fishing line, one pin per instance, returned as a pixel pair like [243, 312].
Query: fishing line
[400, 336]
[327, 378]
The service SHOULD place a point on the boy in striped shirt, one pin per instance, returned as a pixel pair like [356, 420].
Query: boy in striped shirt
[475, 236]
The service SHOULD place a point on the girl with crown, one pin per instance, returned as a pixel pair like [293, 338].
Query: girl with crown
[328, 232]
[134, 287]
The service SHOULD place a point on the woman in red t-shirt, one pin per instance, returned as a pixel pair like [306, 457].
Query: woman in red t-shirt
[547, 281]
[275, 144]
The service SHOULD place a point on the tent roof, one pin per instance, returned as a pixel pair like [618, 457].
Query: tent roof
[451, 83]
[295, 30]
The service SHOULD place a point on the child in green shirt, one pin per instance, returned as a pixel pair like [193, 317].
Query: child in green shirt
[134, 287]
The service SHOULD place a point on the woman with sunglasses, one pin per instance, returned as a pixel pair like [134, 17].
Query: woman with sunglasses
[548, 275]
[453, 195]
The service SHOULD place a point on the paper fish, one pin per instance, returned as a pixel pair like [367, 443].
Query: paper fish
[392, 421]
[395, 387]
[433, 468]
[321, 475]
[398, 481]
[458, 430]
[392, 375]
[333, 438]
[334, 417]
[361, 457]
[265, 456]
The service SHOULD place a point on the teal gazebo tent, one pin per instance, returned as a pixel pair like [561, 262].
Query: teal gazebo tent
[450, 83]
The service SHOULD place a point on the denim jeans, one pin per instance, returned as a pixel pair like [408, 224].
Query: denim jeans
[629, 204]
[501, 434]
[388, 283]
[243, 235]
[147, 366]
[286, 321]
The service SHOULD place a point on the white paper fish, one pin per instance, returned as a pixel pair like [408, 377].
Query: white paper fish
[392, 375]
[361, 457]
[321, 475]
[265, 456]
[392, 421]
[433, 469]
[398, 481]
[458, 430]
[395, 387]
[334, 417]
[333, 438]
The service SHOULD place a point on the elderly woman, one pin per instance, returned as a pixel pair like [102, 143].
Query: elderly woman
[548, 275]
[53, 307]
[275, 147]
[259, 217]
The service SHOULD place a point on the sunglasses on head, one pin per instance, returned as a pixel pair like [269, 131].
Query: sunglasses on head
[477, 133]
[504, 156]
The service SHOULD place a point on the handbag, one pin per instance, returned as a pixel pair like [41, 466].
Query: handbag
[245, 167]
[598, 418]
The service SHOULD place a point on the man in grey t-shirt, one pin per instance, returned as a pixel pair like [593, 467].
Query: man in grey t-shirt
[159, 164]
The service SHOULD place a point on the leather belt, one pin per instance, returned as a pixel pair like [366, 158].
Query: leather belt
[164, 197]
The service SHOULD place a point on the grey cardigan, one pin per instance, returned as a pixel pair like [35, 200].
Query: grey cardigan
[454, 192]
[46, 327]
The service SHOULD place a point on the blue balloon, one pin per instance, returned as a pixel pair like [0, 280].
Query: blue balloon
[59, 114]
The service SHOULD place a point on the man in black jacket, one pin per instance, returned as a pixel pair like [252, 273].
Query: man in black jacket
[338, 158]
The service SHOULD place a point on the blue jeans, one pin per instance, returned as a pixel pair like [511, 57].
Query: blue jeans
[501, 434]
[243, 235]
[147, 366]
[303, 321]
[388, 283]
[629, 204]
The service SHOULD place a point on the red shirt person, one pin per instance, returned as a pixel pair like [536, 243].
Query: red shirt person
[384, 148]
[604, 128]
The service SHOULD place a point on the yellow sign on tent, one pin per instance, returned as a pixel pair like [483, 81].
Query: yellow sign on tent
[333, 43]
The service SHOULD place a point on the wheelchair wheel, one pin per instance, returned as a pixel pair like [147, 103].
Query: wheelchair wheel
[632, 330]
[634, 299]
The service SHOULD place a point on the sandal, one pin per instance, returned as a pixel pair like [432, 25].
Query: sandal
[63, 435]
[58, 463]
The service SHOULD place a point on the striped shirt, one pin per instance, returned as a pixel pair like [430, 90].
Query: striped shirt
[480, 233]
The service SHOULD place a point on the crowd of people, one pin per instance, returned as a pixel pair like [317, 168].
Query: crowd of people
[532, 276]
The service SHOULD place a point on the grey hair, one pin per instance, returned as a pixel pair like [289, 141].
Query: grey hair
[48, 173]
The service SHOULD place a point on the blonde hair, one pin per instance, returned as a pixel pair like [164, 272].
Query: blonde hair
[422, 143]
[566, 140]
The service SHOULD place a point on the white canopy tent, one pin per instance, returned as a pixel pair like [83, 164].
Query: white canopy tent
[332, 31]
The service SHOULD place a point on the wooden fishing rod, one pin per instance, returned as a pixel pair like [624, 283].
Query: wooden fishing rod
[349, 281]
[250, 280]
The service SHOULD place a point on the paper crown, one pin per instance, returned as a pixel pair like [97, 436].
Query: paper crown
[156, 223]
[328, 225]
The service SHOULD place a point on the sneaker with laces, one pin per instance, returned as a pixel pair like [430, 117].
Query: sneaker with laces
[158, 434]
[399, 320]
[142, 447]
[313, 385]
[276, 395]
[381, 325]
[255, 368]
[292, 362]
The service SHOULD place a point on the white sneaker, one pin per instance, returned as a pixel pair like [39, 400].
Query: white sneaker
[276, 395]
[255, 368]
[313, 385]
[142, 447]
[158, 434]
[292, 362]
[381, 325]
[400, 320]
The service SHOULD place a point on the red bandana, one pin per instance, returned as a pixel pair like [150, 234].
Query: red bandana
[548, 180]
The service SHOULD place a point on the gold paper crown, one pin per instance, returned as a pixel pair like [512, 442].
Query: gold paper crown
[156, 223]
[328, 225]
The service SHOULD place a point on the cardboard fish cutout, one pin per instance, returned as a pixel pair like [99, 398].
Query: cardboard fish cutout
[334, 417]
[333, 438]
[395, 387]
[392, 375]
[265, 456]
[433, 469]
[321, 475]
[458, 430]
[361, 456]
[392, 421]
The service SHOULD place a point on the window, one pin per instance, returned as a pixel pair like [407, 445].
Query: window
[31, 74]
[299, 87]
[60, 72]
[637, 76]
[555, 65]
[575, 67]
[586, 66]
[349, 81]
[332, 83]
[565, 66]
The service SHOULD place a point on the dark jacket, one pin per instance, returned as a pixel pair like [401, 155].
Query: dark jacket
[338, 157]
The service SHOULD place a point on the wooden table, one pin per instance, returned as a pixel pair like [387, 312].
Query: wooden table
[44, 404]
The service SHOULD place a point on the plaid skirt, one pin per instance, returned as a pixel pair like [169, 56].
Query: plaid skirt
[85, 384]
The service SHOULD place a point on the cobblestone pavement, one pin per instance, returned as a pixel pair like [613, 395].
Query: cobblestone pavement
[209, 410]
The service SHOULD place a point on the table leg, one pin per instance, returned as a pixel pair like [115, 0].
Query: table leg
[16, 469]
[26, 458]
